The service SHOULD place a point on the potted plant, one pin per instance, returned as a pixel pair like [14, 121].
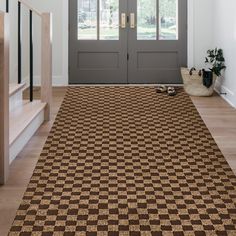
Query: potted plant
[216, 61]
[201, 83]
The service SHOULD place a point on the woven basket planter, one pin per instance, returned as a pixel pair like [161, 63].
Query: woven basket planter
[193, 84]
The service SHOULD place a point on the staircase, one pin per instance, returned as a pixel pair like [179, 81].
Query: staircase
[19, 118]
[24, 119]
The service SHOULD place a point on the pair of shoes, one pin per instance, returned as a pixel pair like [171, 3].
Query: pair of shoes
[170, 90]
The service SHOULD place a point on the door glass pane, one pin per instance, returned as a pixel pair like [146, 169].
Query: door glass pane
[168, 19]
[109, 19]
[146, 20]
[87, 19]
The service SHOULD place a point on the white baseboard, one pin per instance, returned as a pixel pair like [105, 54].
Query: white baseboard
[226, 94]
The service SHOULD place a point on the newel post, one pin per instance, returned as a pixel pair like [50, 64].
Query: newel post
[46, 64]
[4, 97]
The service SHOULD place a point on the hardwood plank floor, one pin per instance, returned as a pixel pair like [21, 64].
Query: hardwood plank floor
[219, 117]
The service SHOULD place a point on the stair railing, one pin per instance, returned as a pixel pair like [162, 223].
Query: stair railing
[7, 6]
[46, 74]
[46, 54]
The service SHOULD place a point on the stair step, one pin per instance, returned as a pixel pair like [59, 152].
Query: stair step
[22, 116]
[14, 88]
[15, 95]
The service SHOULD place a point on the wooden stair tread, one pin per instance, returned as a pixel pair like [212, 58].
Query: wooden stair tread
[14, 88]
[21, 117]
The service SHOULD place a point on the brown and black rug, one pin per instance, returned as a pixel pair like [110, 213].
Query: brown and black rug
[127, 161]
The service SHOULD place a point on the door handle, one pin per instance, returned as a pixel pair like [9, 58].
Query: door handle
[123, 21]
[132, 21]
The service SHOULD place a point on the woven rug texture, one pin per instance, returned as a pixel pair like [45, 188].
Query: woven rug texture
[123, 161]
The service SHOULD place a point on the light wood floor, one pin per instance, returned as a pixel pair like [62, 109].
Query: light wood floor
[219, 117]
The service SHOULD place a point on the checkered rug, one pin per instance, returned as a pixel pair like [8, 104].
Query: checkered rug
[128, 161]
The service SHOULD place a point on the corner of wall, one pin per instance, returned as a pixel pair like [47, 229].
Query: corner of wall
[224, 35]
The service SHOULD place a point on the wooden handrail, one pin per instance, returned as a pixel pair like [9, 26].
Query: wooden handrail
[46, 58]
[31, 8]
[4, 97]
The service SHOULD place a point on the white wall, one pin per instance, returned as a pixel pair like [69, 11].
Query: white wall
[13, 37]
[224, 36]
[2, 5]
[200, 38]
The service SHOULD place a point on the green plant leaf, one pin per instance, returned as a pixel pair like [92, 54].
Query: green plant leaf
[216, 59]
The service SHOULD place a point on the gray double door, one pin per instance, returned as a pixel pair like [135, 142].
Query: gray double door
[127, 41]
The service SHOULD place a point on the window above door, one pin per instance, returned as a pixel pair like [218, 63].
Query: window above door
[168, 19]
[149, 28]
[100, 20]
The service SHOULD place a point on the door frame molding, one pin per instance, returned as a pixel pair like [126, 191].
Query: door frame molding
[65, 42]
[191, 33]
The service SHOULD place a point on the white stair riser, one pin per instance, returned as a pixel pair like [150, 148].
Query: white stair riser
[25, 136]
[15, 100]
